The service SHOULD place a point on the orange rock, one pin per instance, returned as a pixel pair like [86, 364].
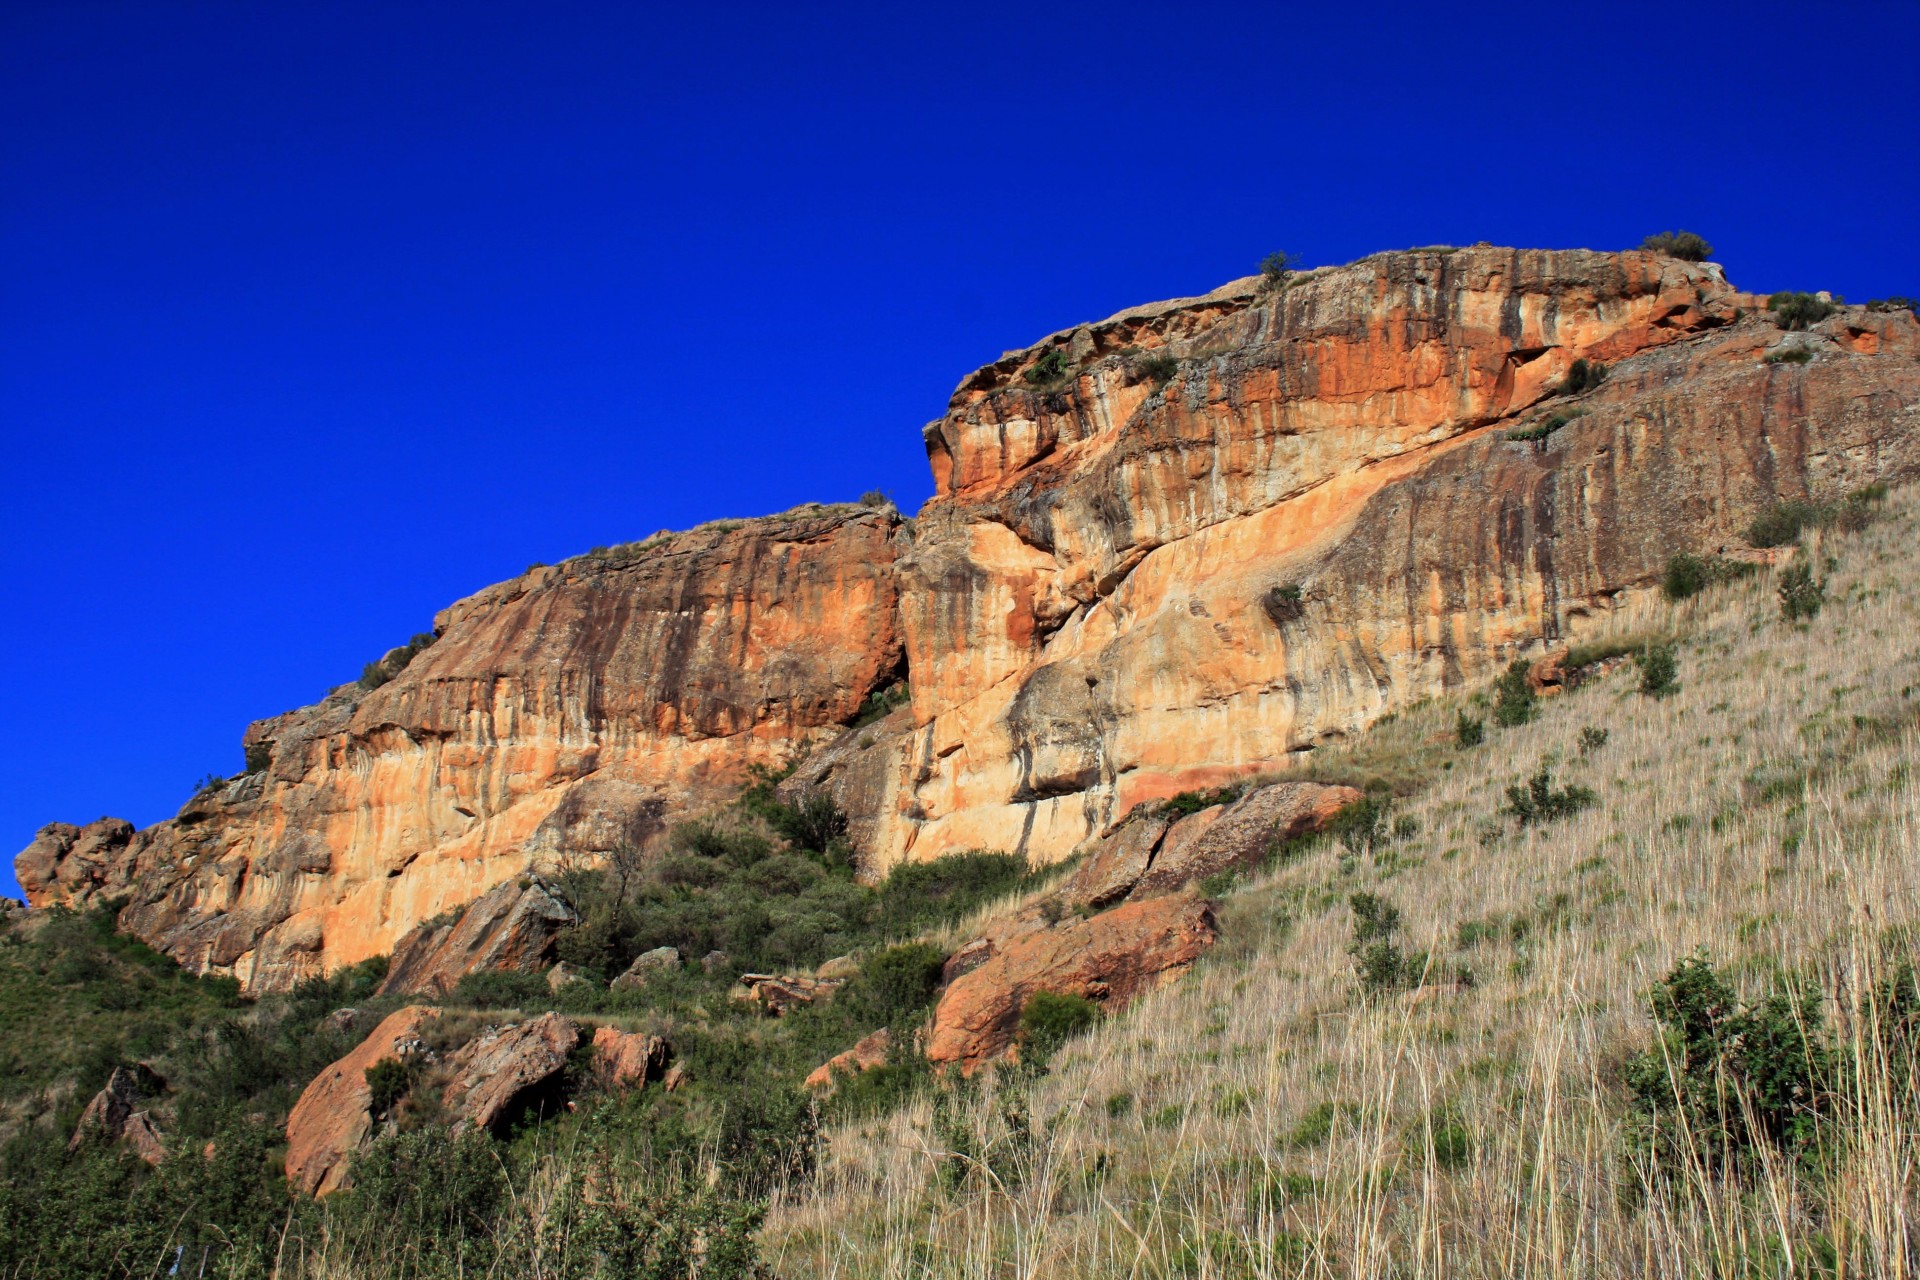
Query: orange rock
[578, 708]
[1111, 957]
[333, 1117]
[628, 1059]
[504, 1069]
[1241, 834]
[870, 1052]
[509, 927]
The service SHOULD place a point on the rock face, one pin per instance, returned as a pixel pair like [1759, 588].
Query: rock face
[333, 1117]
[1109, 958]
[511, 926]
[496, 1073]
[574, 709]
[1124, 589]
[1169, 551]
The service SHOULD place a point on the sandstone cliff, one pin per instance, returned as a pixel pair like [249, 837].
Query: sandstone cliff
[558, 715]
[1169, 550]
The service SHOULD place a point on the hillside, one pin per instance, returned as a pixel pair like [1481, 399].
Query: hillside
[1270, 1117]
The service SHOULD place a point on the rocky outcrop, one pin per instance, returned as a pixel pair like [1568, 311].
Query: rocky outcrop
[333, 1117]
[572, 710]
[1174, 550]
[505, 1069]
[628, 1059]
[114, 1115]
[780, 994]
[870, 1052]
[1110, 958]
[660, 960]
[1147, 855]
[1132, 584]
[511, 926]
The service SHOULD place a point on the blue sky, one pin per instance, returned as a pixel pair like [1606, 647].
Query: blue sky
[318, 316]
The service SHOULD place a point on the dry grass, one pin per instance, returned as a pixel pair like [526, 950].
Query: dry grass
[1262, 1118]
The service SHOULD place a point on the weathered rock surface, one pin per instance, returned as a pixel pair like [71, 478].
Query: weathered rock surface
[571, 710]
[496, 1073]
[1125, 587]
[1110, 958]
[628, 1059]
[1239, 835]
[870, 1052]
[333, 1117]
[511, 926]
[113, 1115]
[1092, 605]
[780, 994]
[645, 965]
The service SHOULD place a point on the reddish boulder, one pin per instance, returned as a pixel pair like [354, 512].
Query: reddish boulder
[142, 1138]
[1241, 834]
[504, 1065]
[1116, 861]
[334, 1115]
[1111, 957]
[510, 927]
[779, 994]
[869, 1053]
[628, 1059]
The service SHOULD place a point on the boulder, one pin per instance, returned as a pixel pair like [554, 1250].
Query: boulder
[779, 994]
[563, 975]
[1111, 957]
[713, 961]
[507, 1067]
[645, 965]
[512, 926]
[675, 1077]
[628, 1059]
[334, 1114]
[1114, 863]
[870, 1052]
[1240, 834]
[112, 1114]
[838, 969]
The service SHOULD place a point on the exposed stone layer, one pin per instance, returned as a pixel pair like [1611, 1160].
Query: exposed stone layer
[576, 708]
[495, 1073]
[1124, 590]
[511, 926]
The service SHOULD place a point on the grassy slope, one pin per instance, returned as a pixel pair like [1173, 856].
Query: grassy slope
[1263, 1118]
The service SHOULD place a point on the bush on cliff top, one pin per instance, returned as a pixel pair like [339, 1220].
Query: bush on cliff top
[1684, 245]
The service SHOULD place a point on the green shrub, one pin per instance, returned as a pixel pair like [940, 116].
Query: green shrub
[1467, 731]
[1539, 801]
[1798, 310]
[1782, 523]
[1728, 1076]
[1284, 603]
[894, 984]
[1898, 302]
[1801, 594]
[502, 989]
[1788, 355]
[1448, 1137]
[1051, 367]
[1679, 244]
[1546, 426]
[1513, 698]
[1364, 823]
[1592, 739]
[1583, 375]
[1658, 669]
[388, 1081]
[1190, 802]
[375, 674]
[1160, 368]
[1048, 1021]
[880, 702]
[1275, 268]
[1688, 575]
[1378, 959]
